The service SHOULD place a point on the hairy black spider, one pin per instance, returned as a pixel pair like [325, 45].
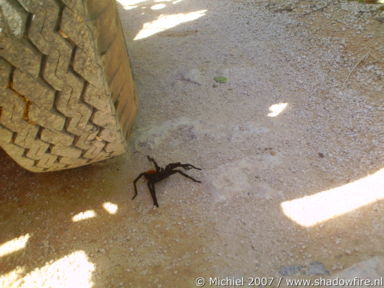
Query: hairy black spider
[154, 176]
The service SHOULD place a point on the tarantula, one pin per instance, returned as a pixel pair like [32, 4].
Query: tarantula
[154, 176]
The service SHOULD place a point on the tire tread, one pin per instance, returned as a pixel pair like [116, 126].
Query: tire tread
[56, 109]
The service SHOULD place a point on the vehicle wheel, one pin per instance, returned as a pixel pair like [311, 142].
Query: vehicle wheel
[66, 90]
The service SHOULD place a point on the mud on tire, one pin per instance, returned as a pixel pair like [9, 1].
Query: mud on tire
[66, 91]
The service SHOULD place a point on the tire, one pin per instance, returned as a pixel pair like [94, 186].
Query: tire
[66, 90]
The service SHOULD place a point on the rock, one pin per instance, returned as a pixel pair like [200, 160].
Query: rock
[194, 76]
[291, 270]
[316, 268]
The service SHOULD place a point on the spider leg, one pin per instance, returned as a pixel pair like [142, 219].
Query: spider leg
[189, 166]
[154, 162]
[178, 164]
[151, 187]
[134, 184]
[185, 175]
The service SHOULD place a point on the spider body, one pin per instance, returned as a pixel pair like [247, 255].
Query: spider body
[154, 176]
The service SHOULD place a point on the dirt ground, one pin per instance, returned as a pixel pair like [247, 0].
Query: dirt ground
[291, 147]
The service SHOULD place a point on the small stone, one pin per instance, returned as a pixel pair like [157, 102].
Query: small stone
[316, 268]
[290, 270]
[193, 76]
